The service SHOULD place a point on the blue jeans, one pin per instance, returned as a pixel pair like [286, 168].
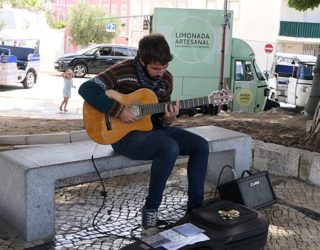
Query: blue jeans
[163, 146]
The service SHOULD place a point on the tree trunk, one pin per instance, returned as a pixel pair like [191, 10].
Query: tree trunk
[313, 101]
[315, 91]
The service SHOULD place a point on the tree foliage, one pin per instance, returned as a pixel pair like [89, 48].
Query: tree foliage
[25, 4]
[53, 23]
[303, 5]
[87, 24]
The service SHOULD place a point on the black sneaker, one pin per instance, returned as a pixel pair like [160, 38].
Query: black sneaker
[149, 221]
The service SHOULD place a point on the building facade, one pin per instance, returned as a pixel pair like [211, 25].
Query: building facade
[258, 22]
[113, 8]
[272, 22]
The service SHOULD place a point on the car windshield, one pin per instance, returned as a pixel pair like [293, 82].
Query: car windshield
[306, 71]
[87, 50]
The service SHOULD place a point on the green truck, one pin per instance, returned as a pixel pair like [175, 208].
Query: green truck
[195, 38]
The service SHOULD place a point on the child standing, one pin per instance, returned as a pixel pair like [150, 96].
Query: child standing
[68, 84]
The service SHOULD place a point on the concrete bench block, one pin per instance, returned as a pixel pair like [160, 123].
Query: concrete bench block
[48, 138]
[216, 162]
[13, 140]
[277, 159]
[80, 135]
[28, 176]
[235, 146]
[309, 167]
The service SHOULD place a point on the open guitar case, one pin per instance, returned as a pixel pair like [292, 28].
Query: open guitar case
[248, 231]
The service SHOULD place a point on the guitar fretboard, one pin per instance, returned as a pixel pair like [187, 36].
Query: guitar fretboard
[155, 108]
[215, 98]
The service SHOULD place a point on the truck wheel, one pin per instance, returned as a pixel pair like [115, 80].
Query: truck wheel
[29, 80]
[271, 104]
[185, 113]
[79, 70]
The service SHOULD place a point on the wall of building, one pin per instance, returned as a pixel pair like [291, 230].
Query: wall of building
[292, 15]
[254, 24]
[303, 45]
[289, 47]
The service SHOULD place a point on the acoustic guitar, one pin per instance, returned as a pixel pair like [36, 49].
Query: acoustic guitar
[107, 130]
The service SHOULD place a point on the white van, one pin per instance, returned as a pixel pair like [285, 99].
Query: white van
[19, 64]
[290, 78]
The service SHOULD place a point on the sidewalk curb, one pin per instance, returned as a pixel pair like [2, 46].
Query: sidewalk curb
[72, 136]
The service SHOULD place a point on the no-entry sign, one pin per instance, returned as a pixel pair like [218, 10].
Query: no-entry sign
[268, 48]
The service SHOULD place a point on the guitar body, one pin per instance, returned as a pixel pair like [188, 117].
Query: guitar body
[95, 121]
[144, 103]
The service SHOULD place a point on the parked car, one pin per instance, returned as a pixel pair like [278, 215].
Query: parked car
[94, 59]
[19, 64]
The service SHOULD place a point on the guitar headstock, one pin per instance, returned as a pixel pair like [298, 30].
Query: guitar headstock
[220, 97]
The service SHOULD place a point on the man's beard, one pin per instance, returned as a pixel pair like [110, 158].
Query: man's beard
[152, 78]
[156, 78]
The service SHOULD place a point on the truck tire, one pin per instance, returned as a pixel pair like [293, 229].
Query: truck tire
[29, 80]
[211, 109]
[79, 70]
[271, 104]
[185, 113]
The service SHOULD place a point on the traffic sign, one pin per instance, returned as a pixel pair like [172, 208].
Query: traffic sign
[111, 27]
[268, 48]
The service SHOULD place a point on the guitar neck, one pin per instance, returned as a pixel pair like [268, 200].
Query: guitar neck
[155, 108]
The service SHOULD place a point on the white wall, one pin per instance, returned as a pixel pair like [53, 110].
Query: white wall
[51, 47]
[292, 15]
[258, 24]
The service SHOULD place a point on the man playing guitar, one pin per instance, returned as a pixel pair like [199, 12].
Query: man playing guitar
[162, 143]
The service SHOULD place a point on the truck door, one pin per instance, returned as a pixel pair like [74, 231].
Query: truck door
[244, 89]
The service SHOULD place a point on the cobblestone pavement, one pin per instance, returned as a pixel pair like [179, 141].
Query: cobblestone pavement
[294, 221]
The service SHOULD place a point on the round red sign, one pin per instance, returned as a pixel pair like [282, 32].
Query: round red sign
[268, 48]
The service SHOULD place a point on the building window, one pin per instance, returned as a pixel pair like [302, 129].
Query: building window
[114, 9]
[311, 49]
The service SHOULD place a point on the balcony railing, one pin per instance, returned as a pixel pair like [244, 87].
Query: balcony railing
[299, 29]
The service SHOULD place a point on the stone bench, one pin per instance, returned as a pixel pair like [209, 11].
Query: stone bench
[28, 176]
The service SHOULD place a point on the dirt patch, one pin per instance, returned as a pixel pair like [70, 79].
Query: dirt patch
[277, 126]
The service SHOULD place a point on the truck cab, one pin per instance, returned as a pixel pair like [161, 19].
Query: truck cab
[19, 64]
[247, 82]
[290, 78]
